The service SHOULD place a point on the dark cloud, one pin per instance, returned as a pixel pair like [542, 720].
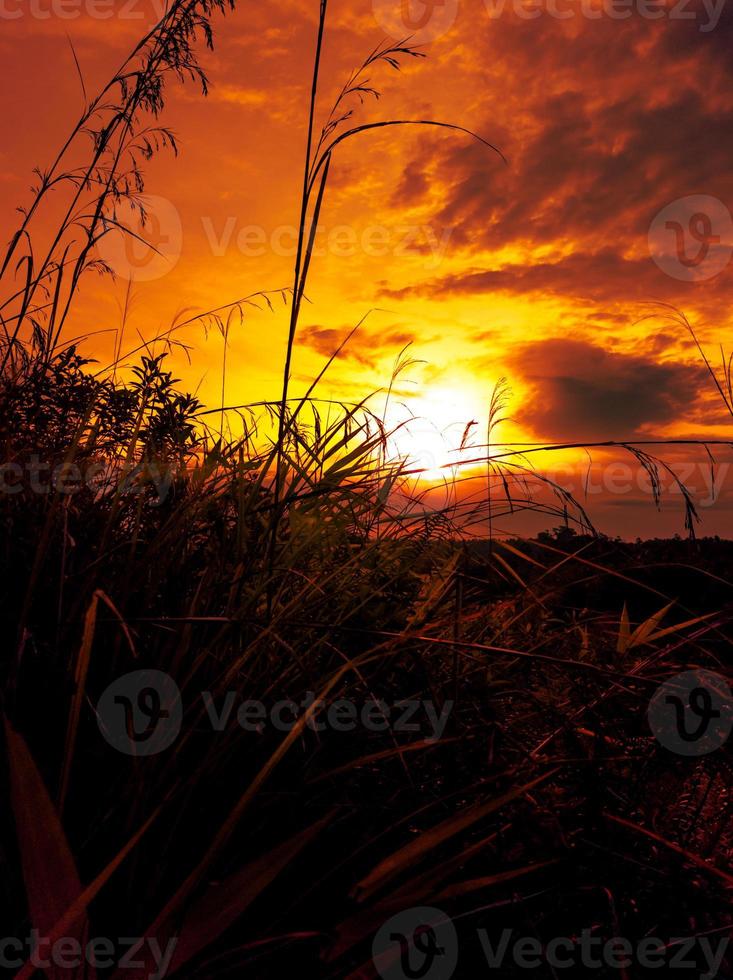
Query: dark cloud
[361, 348]
[613, 120]
[588, 173]
[582, 392]
[412, 187]
[604, 276]
[601, 281]
[713, 41]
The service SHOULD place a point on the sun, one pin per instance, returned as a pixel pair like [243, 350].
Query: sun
[434, 432]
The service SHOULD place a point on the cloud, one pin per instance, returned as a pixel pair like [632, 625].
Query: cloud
[581, 392]
[589, 171]
[364, 349]
[601, 277]
[615, 120]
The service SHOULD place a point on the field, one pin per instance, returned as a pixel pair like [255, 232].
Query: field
[260, 698]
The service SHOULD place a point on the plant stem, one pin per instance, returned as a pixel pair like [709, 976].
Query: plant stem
[300, 274]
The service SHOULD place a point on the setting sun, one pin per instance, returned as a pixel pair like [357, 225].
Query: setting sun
[434, 431]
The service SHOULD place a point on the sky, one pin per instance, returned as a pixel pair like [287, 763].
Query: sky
[554, 267]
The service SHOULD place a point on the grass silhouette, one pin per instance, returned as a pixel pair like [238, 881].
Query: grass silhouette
[309, 567]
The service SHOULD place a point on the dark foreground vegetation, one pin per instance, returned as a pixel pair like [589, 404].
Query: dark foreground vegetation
[546, 805]
[291, 561]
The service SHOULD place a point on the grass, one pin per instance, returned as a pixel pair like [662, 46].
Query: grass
[309, 567]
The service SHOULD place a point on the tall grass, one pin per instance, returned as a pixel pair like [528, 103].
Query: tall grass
[306, 567]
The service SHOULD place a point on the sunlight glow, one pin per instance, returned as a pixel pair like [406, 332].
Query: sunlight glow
[429, 431]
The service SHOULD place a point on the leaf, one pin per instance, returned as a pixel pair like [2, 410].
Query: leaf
[64, 923]
[508, 568]
[479, 884]
[624, 631]
[584, 642]
[235, 815]
[366, 760]
[222, 904]
[677, 627]
[368, 920]
[642, 633]
[51, 880]
[682, 852]
[80, 675]
[417, 848]
[434, 590]
[520, 554]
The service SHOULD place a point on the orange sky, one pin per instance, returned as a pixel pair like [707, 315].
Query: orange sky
[608, 112]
